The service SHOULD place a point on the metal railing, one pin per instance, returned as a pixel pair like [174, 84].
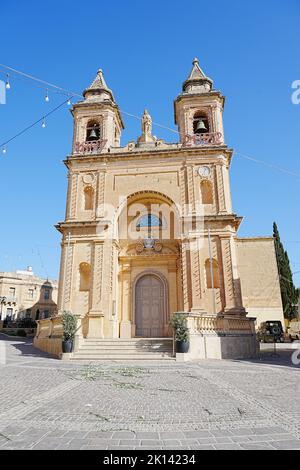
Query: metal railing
[9, 299]
[209, 138]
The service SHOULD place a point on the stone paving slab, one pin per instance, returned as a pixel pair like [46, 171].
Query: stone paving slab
[207, 405]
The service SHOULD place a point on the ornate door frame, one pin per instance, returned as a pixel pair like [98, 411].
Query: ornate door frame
[164, 281]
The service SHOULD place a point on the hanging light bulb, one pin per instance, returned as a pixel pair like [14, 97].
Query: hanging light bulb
[4, 150]
[7, 84]
[69, 102]
[43, 123]
[47, 97]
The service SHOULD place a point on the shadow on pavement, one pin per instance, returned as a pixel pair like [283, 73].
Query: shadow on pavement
[277, 357]
[25, 346]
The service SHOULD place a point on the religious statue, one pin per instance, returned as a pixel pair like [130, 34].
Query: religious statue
[146, 138]
[146, 123]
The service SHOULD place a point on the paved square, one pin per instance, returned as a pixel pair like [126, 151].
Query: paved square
[49, 404]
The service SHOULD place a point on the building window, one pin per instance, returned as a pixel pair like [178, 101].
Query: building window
[206, 192]
[30, 293]
[28, 313]
[12, 291]
[93, 131]
[149, 220]
[215, 282]
[85, 277]
[88, 198]
[200, 123]
[46, 293]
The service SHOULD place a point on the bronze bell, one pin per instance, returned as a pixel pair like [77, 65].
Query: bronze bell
[93, 135]
[200, 127]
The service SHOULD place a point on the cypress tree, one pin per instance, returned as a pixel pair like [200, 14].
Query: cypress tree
[289, 293]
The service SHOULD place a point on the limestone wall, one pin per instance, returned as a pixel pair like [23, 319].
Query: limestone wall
[259, 278]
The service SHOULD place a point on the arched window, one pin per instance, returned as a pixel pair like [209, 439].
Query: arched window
[200, 123]
[88, 198]
[215, 282]
[93, 131]
[149, 220]
[85, 277]
[206, 192]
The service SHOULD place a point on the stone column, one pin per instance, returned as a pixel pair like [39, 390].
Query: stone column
[191, 193]
[233, 299]
[227, 191]
[72, 196]
[125, 326]
[221, 192]
[101, 194]
[66, 276]
[195, 266]
[173, 287]
[95, 313]
[185, 269]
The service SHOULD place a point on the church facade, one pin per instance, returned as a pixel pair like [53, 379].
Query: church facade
[150, 230]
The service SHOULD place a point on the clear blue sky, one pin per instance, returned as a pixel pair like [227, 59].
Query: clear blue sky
[250, 49]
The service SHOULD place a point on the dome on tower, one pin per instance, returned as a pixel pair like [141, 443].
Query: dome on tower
[197, 81]
[98, 90]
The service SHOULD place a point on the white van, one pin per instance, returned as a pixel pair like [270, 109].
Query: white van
[294, 330]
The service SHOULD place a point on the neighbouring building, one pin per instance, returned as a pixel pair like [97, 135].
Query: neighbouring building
[25, 295]
[150, 230]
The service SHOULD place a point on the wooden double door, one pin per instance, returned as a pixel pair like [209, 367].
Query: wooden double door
[150, 307]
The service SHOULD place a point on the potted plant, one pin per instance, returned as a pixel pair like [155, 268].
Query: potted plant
[181, 331]
[69, 322]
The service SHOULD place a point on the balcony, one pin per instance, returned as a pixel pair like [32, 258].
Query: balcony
[94, 146]
[199, 140]
[9, 300]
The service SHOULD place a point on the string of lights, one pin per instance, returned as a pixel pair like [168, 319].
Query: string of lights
[42, 120]
[48, 86]
[56, 88]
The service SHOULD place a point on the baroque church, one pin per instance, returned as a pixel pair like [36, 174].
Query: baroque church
[150, 230]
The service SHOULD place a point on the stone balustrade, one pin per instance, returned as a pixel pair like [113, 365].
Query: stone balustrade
[219, 324]
[222, 336]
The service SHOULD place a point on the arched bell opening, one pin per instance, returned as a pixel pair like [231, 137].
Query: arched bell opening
[93, 131]
[200, 123]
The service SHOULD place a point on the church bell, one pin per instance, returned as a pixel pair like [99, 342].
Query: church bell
[200, 127]
[93, 135]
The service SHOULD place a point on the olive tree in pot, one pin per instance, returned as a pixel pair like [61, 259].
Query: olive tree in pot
[181, 331]
[69, 322]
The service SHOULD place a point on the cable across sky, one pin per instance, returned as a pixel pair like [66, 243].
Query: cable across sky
[48, 86]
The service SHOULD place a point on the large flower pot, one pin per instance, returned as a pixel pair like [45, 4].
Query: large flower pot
[67, 346]
[182, 346]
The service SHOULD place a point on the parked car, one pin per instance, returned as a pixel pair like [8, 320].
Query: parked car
[294, 330]
[270, 331]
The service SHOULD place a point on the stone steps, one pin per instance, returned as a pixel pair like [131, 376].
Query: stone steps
[121, 357]
[127, 349]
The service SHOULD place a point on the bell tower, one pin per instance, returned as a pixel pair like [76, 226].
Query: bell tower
[199, 109]
[97, 119]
